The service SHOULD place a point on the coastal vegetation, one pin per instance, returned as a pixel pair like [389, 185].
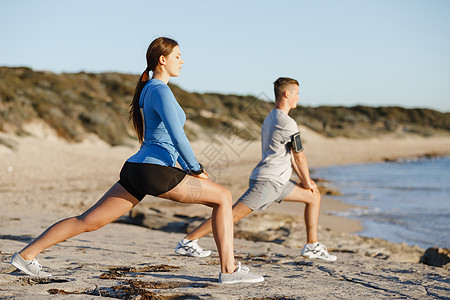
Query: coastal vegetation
[74, 104]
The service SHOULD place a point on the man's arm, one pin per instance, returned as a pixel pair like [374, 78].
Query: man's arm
[300, 167]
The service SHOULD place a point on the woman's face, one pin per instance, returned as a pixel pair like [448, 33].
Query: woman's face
[173, 62]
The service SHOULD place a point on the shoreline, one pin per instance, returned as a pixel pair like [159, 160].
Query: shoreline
[234, 175]
[396, 198]
[45, 180]
[323, 152]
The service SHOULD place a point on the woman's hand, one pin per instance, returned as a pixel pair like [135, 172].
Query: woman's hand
[203, 175]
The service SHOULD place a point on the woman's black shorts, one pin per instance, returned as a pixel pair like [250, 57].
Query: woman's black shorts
[140, 179]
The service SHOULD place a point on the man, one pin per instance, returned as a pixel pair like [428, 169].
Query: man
[270, 179]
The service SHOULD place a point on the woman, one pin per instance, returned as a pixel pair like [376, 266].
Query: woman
[158, 120]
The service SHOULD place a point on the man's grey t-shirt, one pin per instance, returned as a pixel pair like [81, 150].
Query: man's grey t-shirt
[276, 133]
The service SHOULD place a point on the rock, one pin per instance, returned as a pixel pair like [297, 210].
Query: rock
[264, 236]
[325, 190]
[6, 267]
[156, 219]
[437, 257]
[265, 227]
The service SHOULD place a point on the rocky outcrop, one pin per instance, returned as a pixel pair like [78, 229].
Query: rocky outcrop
[74, 105]
[438, 257]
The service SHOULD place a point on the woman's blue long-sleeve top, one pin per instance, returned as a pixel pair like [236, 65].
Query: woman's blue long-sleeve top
[165, 142]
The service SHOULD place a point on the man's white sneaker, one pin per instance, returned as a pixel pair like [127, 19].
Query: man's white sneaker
[241, 274]
[30, 267]
[191, 248]
[317, 251]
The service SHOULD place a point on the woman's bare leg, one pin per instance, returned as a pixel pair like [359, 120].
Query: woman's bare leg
[116, 202]
[240, 210]
[204, 191]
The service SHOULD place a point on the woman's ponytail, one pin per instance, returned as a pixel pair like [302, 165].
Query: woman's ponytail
[135, 109]
[145, 76]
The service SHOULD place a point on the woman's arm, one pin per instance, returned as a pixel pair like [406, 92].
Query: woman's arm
[182, 163]
[165, 105]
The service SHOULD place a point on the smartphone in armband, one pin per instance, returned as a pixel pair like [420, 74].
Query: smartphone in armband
[296, 143]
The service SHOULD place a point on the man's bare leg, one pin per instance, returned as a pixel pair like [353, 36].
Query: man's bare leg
[311, 198]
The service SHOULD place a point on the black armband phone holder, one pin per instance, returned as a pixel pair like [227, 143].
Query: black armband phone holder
[296, 143]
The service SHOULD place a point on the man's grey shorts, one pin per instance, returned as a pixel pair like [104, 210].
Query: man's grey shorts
[261, 194]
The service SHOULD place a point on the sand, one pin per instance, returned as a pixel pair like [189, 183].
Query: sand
[46, 179]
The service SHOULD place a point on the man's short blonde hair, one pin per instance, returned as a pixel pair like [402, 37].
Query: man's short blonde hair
[280, 86]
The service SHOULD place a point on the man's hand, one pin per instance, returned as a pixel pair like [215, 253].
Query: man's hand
[311, 185]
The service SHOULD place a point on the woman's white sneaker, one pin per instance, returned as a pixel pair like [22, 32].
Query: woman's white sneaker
[241, 274]
[30, 267]
[191, 248]
[317, 251]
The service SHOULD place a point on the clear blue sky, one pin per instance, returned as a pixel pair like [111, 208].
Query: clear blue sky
[345, 52]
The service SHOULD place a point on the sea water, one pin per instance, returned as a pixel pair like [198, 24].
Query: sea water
[406, 201]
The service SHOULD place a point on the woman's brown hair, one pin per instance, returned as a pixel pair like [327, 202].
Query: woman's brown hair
[160, 46]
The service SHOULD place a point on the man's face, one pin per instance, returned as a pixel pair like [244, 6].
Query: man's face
[293, 95]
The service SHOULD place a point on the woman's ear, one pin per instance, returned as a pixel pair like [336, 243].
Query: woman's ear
[162, 60]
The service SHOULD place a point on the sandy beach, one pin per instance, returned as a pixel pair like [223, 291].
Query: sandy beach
[44, 179]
